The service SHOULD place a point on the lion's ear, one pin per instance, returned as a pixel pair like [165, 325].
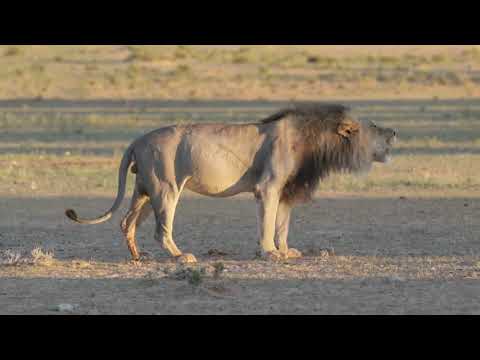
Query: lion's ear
[348, 128]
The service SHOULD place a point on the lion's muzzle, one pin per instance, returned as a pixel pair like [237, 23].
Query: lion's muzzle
[392, 139]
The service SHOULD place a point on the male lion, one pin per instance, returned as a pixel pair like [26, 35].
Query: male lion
[280, 160]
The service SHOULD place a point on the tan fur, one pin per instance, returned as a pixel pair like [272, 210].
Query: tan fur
[280, 160]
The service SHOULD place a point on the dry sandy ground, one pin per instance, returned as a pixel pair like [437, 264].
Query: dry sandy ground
[390, 256]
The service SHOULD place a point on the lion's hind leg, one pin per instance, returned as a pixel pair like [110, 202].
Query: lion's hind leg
[139, 212]
[164, 204]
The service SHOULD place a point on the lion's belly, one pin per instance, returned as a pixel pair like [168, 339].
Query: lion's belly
[217, 170]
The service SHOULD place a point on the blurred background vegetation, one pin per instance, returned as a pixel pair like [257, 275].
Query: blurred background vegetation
[238, 72]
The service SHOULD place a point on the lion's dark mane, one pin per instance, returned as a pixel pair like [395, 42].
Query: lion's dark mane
[325, 151]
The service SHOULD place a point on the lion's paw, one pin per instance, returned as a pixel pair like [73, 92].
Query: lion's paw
[187, 259]
[273, 256]
[293, 254]
[141, 257]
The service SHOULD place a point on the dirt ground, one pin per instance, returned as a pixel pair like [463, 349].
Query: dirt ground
[385, 256]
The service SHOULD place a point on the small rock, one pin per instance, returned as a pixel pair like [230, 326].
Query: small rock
[63, 308]
[326, 253]
[322, 253]
[215, 252]
[94, 312]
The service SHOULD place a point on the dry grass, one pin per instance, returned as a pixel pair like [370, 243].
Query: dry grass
[238, 72]
[37, 257]
[41, 257]
[11, 258]
[13, 51]
[79, 151]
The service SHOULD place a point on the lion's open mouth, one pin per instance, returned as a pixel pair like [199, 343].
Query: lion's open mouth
[388, 156]
[384, 157]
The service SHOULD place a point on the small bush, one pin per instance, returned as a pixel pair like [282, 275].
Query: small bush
[388, 59]
[13, 51]
[240, 59]
[182, 69]
[473, 53]
[132, 71]
[219, 268]
[263, 70]
[38, 68]
[193, 276]
[181, 52]
[439, 58]
[142, 55]
[145, 54]
[243, 56]
[111, 79]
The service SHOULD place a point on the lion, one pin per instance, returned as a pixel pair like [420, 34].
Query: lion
[280, 160]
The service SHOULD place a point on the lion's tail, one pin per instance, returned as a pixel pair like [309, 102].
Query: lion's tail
[122, 180]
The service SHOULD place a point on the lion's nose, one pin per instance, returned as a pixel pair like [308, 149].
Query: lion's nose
[393, 137]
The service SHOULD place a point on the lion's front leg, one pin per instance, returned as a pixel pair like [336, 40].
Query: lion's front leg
[281, 232]
[267, 206]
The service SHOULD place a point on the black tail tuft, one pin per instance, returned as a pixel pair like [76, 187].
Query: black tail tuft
[71, 214]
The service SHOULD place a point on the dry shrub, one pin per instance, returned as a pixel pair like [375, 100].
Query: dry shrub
[41, 257]
[11, 258]
[38, 257]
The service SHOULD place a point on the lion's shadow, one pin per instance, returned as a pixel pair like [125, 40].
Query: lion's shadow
[350, 226]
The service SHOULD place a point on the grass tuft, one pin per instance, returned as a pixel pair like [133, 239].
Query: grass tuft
[11, 258]
[41, 257]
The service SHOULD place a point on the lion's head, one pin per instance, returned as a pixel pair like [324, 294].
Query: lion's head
[381, 141]
[332, 140]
